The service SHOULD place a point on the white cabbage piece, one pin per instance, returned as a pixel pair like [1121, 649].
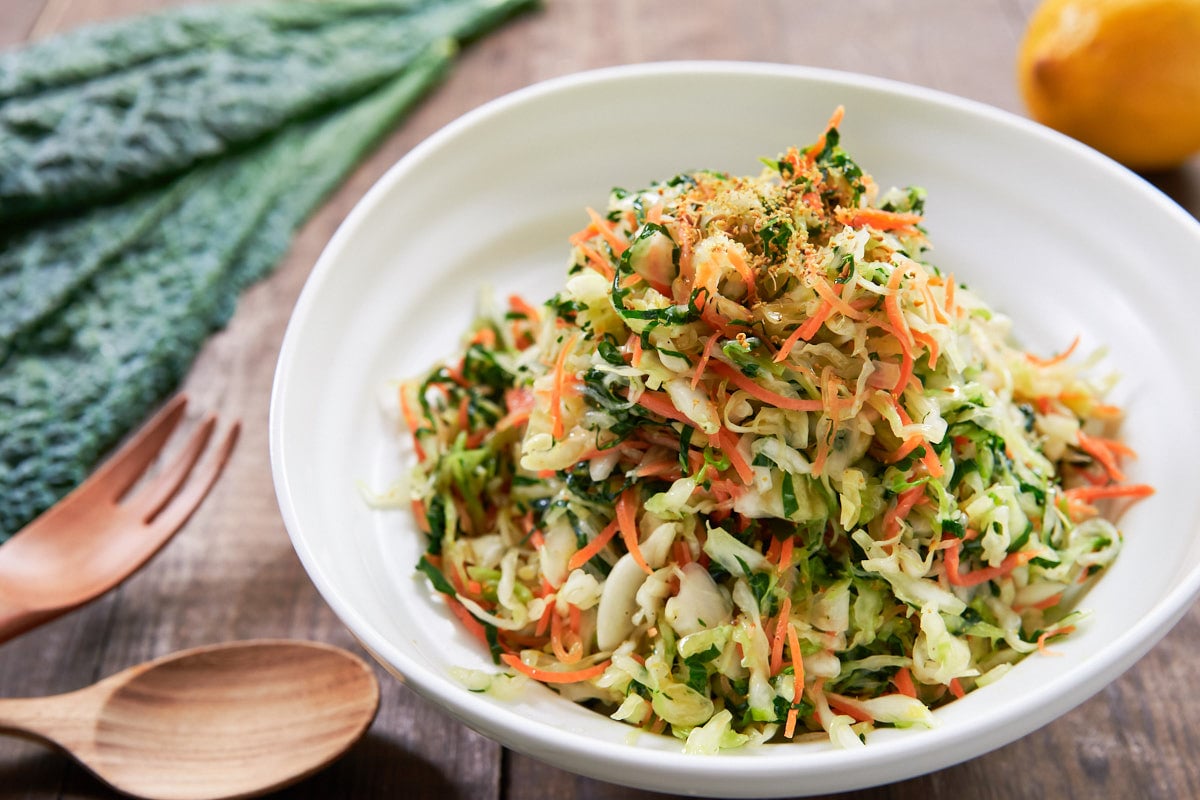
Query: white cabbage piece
[618, 603]
[938, 655]
[700, 604]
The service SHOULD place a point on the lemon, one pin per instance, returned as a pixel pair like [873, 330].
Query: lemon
[1120, 75]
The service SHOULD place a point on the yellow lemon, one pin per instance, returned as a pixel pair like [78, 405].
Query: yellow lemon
[1120, 75]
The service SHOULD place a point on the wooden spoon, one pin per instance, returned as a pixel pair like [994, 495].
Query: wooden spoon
[226, 721]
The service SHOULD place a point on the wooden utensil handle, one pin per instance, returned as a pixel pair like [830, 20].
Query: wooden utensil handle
[15, 620]
[41, 719]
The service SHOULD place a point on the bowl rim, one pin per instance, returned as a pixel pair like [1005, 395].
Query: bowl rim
[888, 760]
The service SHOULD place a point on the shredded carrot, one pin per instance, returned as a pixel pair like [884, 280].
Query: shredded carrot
[464, 420]
[930, 344]
[876, 218]
[1087, 494]
[956, 688]
[933, 465]
[747, 385]
[745, 272]
[789, 729]
[593, 547]
[567, 648]
[605, 229]
[826, 292]
[555, 676]
[797, 677]
[682, 553]
[728, 441]
[1041, 640]
[900, 510]
[903, 682]
[1063, 356]
[1099, 450]
[410, 419]
[597, 261]
[635, 349]
[473, 626]
[704, 356]
[419, 514]
[627, 522]
[518, 304]
[848, 706]
[782, 623]
[556, 391]
[785, 553]
[660, 403]
[806, 331]
[983, 574]
[544, 623]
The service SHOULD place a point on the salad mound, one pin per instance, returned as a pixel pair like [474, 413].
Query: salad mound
[759, 471]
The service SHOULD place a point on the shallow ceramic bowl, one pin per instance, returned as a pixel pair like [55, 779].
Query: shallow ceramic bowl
[1060, 238]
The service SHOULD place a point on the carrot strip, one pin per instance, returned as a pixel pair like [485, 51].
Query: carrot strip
[1063, 356]
[797, 663]
[567, 654]
[782, 623]
[785, 553]
[556, 390]
[464, 420]
[1087, 494]
[593, 547]
[956, 688]
[604, 228]
[933, 465]
[704, 356]
[806, 331]
[660, 403]
[473, 626]
[627, 522]
[845, 705]
[1098, 449]
[876, 218]
[682, 553]
[410, 419]
[930, 344]
[747, 385]
[518, 304]
[555, 676]
[1041, 640]
[789, 730]
[903, 682]
[826, 292]
[746, 273]
[419, 514]
[597, 261]
[728, 442]
[983, 574]
[635, 349]
[904, 504]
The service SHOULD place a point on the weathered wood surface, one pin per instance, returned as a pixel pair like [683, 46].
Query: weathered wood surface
[232, 574]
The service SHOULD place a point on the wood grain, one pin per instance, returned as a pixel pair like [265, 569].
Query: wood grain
[232, 574]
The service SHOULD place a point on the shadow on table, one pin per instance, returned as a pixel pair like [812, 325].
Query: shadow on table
[375, 767]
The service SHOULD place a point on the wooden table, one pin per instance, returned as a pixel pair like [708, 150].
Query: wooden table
[231, 573]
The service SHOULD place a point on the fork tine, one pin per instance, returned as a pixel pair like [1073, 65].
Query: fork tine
[125, 466]
[150, 499]
[177, 511]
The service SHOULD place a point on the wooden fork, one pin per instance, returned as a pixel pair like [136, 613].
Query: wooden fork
[101, 533]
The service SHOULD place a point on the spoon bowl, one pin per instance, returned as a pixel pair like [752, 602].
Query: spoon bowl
[225, 721]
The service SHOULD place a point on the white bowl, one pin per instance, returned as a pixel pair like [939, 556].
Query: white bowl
[1059, 237]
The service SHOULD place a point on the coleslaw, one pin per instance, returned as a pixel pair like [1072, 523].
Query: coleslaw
[759, 471]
